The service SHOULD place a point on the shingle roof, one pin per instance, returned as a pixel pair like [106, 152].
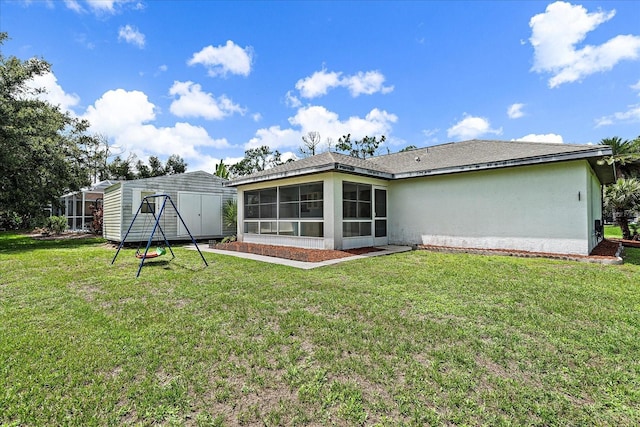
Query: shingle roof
[319, 163]
[441, 159]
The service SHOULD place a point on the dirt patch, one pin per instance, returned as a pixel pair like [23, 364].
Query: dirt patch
[286, 252]
[606, 248]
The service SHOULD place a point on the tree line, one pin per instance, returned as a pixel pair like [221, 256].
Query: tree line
[622, 198]
[45, 152]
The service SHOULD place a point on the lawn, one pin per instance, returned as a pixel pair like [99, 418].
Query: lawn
[612, 232]
[416, 338]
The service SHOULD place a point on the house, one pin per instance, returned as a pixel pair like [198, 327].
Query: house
[199, 197]
[79, 206]
[473, 194]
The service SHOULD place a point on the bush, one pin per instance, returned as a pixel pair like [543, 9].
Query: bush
[228, 239]
[230, 214]
[56, 224]
[10, 220]
[96, 224]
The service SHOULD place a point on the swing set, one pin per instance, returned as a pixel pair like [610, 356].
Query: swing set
[161, 245]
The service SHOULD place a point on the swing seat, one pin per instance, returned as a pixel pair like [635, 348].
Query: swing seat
[158, 252]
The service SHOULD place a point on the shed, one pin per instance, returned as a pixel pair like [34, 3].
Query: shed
[199, 197]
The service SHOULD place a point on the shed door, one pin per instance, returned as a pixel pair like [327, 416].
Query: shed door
[201, 212]
[211, 215]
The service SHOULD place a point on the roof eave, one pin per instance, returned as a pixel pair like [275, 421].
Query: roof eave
[591, 155]
[330, 167]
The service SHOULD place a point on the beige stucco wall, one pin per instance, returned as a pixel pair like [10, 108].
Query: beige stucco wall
[534, 208]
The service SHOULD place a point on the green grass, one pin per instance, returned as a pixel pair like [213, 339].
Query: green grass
[416, 338]
[612, 232]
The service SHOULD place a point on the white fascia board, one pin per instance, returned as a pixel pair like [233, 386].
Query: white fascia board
[560, 157]
[309, 171]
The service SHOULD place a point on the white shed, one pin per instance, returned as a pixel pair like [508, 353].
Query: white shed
[199, 197]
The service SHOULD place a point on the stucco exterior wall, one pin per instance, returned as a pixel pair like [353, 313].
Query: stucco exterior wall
[533, 208]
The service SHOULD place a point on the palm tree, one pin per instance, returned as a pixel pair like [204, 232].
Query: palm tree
[622, 197]
[626, 155]
[230, 214]
[221, 170]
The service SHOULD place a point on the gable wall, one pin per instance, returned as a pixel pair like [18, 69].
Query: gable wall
[534, 208]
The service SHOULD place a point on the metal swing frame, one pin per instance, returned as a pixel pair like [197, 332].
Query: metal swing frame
[156, 227]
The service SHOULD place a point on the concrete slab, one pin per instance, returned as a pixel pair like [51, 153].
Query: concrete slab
[386, 250]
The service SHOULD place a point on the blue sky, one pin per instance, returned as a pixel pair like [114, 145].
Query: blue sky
[207, 80]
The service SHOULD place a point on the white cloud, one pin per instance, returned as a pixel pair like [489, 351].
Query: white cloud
[163, 68]
[256, 117]
[292, 101]
[430, 135]
[632, 115]
[318, 83]
[275, 138]
[53, 92]
[362, 83]
[229, 58]
[555, 34]
[548, 137]
[366, 83]
[74, 5]
[327, 123]
[515, 111]
[131, 35]
[118, 110]
[636, 87]
[471, 127]
[125, 118]
[193, 102]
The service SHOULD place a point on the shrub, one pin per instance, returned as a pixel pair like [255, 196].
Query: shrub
[96, 224]
[230, 214]
[10, 220]
[228, 239]
[56, 224]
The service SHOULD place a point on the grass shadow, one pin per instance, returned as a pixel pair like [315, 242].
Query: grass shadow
[12, 242]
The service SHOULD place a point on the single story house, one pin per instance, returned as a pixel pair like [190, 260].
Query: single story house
[473, 194]
[198, 196]
[79, 206]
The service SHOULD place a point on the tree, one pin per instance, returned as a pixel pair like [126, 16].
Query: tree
[157, 169]
[230, 214]
[311, 141]
[221, 170]
[626, 156]
[42, 147]
[408, 148]
[366, 147]
[622, 197]
[121, 169]
[175, 165]
[143, 171]
[256, 160]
